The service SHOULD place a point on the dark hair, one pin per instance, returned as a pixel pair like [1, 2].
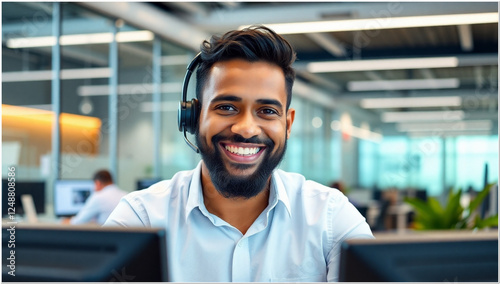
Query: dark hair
[256, 43]
[103, 176]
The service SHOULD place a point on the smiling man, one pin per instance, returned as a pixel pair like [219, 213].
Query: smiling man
[235, 217]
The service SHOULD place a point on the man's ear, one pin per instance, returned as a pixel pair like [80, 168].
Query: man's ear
[290, 117]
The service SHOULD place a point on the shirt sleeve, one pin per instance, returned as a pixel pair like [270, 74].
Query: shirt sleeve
[347, 223]
[88, 213]
[128, 213]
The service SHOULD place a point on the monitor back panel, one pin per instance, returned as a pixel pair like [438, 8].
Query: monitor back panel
[450, 260]
[85, 254]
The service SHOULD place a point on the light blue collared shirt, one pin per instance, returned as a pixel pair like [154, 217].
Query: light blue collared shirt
[295, 239]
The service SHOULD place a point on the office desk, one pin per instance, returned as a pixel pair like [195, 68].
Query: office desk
[399, 211]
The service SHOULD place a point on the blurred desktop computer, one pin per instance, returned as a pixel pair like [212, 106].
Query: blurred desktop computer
[451, 256]
[19, 188]
[146, 182]
[82, 253]
[70, 196]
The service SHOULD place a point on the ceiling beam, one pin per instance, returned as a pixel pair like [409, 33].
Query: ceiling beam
[189, 7]
[466, 37]
[465, 93]
[485, 59]
[427, 73]
[146, 16]
[233, 18]
[329, 43]
[320, 81]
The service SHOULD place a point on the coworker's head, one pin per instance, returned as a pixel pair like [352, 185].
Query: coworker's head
[244, 86]
[102, 179]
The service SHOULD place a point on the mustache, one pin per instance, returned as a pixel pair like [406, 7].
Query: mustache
[236, 138]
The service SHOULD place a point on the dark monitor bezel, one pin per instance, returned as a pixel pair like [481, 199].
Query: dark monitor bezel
[454, 256]
[148, 181]
[51, 253]
[21, 188]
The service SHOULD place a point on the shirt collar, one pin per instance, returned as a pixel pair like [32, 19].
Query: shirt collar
[109, 186]
[278, 189]
[195, 194]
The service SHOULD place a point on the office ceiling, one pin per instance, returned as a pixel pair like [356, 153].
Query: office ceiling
[474, 79]
[471, 81]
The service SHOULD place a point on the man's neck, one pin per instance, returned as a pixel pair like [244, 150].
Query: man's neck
[238, 212]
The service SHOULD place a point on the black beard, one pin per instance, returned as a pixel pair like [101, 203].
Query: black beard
[231, 186]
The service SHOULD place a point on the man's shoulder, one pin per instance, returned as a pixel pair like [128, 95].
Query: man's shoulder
[165, 188]
[297, 183]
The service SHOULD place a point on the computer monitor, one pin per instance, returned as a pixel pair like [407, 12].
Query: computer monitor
[83, 254]
[147, 182]
[422, 257]
[34, 188]
[70, 196]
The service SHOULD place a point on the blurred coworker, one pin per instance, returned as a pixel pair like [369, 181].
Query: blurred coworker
[100, 204]
[236, 217]
[341, 187]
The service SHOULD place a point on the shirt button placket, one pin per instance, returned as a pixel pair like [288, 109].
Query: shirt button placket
[241, 262]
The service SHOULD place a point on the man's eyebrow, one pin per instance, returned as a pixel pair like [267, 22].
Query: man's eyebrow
[270, 102]
[226, 98]
[232, 98]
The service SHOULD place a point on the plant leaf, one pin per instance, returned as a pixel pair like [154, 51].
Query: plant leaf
[491, 221]
[426, 216]
[453, 210]
[479, 198]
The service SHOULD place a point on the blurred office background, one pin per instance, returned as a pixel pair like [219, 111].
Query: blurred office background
[389, 96]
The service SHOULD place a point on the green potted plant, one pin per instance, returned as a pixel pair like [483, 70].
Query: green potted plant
[431, 215]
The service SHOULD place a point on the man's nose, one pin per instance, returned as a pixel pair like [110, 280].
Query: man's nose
[246, 125]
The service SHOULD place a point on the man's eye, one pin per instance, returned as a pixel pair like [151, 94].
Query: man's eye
[268, 111]
[225, 108]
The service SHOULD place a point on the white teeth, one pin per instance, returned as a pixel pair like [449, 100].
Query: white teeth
[242, 151]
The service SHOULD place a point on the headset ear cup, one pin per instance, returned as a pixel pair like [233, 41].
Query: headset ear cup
[193, 116]
[181, 116]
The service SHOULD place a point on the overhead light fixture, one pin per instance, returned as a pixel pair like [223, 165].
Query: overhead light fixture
[448, 133]
[358, 132]
[411, 84]
[422, 116]
[317, 122]
[474, 125]
[383, 23]
[382, 64]
[46, 75]
[80, 39]
[26, 115]
[411, 102]
[128, 89]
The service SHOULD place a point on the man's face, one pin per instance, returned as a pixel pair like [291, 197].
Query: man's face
[243, 125]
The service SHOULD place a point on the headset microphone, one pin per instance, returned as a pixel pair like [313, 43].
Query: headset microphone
[187, 116]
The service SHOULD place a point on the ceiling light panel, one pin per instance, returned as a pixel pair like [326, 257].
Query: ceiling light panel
[448, 133]
[474, 125]
[422, 116]
[383, 23]
[382, 64]
[414, 84]
[411, 102]
[80, 39]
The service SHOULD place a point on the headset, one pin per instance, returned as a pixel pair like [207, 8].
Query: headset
[189, 111]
